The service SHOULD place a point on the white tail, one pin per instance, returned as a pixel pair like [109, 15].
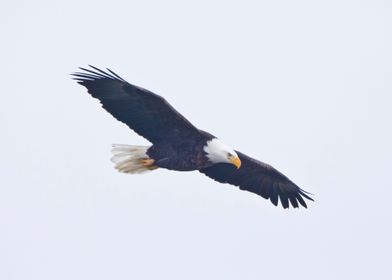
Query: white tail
[131, 159]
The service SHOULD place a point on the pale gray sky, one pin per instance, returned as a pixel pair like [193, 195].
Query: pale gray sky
[303, 85]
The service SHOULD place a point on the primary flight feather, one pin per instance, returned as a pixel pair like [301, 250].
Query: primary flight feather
[178, 144]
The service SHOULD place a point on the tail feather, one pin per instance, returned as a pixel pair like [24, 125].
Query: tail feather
[131, 159]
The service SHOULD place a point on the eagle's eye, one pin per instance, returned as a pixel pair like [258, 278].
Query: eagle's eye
[229, 155]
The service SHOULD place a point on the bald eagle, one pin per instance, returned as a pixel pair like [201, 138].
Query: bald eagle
[178, 144]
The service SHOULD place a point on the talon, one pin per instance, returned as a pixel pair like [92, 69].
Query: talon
[147, 162]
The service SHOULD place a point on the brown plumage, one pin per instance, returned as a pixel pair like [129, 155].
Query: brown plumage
[178, 144]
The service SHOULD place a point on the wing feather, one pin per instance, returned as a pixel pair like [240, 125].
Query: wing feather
[260, 178]
[147, 113]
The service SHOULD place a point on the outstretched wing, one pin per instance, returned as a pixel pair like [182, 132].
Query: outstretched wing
[260, 178]
[147, 113]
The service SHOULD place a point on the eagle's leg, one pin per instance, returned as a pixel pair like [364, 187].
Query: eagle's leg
[148, 163]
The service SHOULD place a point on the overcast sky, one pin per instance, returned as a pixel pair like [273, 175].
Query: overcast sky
[302, 85]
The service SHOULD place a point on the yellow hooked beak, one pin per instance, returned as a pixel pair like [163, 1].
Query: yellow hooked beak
[235, 161]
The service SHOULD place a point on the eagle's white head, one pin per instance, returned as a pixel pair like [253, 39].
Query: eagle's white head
[218, 152]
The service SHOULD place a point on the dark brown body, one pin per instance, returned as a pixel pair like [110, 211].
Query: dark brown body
[185, 154]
